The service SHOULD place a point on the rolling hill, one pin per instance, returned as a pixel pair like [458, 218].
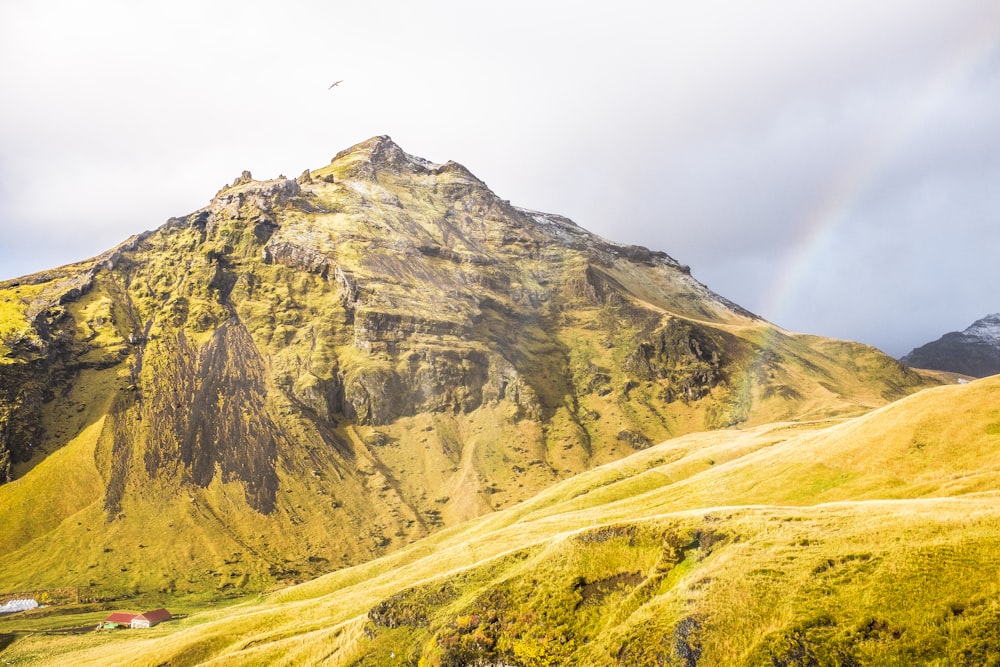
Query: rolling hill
[871, 540]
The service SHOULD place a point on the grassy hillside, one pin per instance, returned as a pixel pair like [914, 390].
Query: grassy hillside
[865, 541]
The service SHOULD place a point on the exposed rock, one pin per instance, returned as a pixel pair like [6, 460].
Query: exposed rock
[263, 228]
[21, 398]
[212, 420]
[373, 396]
[297, 257]
[690, 359]
[975, 351]
[687, 644]
[635, 440]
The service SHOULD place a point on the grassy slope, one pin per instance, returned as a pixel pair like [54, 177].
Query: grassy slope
[872, 540]
[31, 510]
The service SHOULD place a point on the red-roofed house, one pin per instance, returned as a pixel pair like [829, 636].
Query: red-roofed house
[151, 618]
[119, 619]
[147, 620]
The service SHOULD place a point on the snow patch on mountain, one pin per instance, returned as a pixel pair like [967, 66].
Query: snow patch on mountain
[986, 330]
[975, 351]
[560, 227]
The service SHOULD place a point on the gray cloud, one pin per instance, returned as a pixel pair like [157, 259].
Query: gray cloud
[724, 133]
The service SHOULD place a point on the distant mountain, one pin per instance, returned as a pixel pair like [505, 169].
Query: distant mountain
[312, 372]
[975, 351]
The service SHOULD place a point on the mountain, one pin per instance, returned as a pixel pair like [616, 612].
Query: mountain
[308, 373]
[975, 351]
[867, 541]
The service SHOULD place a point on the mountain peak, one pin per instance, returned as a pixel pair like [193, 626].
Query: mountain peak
[375, 146]
[379, 153]
[974, 351]
[986, 329]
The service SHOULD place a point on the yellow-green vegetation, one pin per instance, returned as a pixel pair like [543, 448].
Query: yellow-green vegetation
[308, 374]
[13, 324]
[717, 548]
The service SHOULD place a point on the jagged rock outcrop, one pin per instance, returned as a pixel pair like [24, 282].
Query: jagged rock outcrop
[21, 398]
[975, 351]
[312, 371]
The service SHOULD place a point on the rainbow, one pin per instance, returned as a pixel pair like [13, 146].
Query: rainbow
[834, 204]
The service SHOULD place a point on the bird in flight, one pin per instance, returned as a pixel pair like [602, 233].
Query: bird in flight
[335, 83]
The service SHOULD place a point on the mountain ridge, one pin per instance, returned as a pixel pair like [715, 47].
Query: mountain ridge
[974, 351]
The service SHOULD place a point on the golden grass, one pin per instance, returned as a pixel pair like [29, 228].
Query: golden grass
[812, 538]
[63, 484]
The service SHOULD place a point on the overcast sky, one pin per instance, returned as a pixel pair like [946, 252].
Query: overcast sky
[833, 166]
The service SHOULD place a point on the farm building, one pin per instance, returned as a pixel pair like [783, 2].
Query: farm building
[151, 618]
[145, 620]
[118, 620]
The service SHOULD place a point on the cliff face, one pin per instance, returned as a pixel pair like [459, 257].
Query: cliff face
[310, 372]
[975, 351]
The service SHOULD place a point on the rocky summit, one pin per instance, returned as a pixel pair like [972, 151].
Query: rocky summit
[310, 372]
[975, 351]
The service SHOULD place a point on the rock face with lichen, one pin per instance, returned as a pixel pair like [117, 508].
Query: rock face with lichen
[310, 372]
